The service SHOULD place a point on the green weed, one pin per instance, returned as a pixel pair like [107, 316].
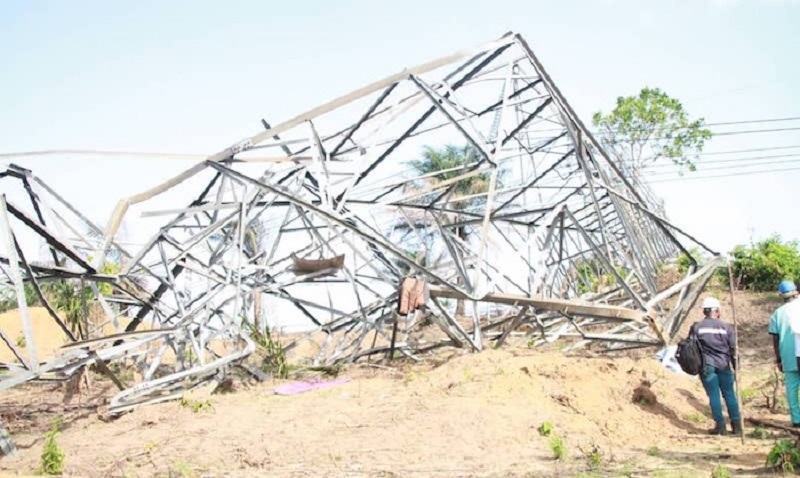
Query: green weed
[181, 469]
[696, 418]
[748, 395]
[653, 451]
[721, 471]
[784, 455]
[759, 433]
[594, 458]
[52, 458]
[469, 375]
[558, 447]
[21, 342]
[274, 355]
[545, 429]
[627, 470]
[197, 406]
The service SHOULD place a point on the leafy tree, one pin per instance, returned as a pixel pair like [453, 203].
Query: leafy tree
[449, 160]
[642, 130]
[761, 266]
[684, 262]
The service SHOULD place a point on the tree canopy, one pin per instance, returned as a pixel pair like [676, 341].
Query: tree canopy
[450, 160]
[645, 128]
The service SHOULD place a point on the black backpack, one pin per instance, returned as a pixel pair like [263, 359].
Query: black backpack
[690, 355]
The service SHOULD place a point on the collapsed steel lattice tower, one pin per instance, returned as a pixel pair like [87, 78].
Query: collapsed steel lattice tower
[321, 217]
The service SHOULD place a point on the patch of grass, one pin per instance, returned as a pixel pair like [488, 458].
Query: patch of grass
[197, 406]
[182, 469]
[759, 433]
[782, 404]
[594, 459]
[469, 375]
[653, 451]
[558, 447]
[721, 471]
[545, 429]
[627, 470]
[21, 342]
[748, 395]
[696, 418]
[274, 356]
[52, 457]
[122, 372]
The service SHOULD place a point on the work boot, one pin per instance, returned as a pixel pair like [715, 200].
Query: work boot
[720, 429]
[737, 428]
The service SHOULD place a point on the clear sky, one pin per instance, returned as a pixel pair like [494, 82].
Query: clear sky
[197, 76]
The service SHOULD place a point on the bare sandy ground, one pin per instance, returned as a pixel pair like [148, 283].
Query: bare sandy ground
[471, 415]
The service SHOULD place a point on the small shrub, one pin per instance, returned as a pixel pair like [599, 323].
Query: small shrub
[21, 342]
[52, 458]
[721, 471]
[653, 451]
[594, 459]
[759, 433]
[558, 447]
[545, 429]
[761, 266]
[784, 455]
[684, 262]
[275, 357]
[748, 395]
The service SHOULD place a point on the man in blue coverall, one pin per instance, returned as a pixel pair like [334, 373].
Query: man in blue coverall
[718, 341]
[780, 327]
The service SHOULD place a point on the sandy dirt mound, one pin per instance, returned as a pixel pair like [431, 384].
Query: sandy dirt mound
[475, 415]
[458, 414]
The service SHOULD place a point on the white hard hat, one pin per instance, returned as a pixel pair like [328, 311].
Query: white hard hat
[710, 303]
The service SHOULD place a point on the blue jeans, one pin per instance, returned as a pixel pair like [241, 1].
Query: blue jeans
[716, 380]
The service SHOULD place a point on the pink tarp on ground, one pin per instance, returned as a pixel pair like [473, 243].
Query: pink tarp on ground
[294, 388]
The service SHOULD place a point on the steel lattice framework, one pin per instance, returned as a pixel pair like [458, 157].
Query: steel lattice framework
[558, 240]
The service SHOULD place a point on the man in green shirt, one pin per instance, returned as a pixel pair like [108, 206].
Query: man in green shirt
[780, 327]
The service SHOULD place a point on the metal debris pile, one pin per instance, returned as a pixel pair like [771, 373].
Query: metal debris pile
[320, 218]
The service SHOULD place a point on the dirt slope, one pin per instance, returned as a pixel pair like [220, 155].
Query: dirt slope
[472, 415]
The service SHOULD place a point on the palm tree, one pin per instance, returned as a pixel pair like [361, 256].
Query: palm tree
[454, 161]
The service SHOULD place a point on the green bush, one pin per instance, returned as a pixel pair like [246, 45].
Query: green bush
[52, 457]
[545, 429]
[558, 447]
[784, 455]
[761, 266]
[721, 471]
[684, 262]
